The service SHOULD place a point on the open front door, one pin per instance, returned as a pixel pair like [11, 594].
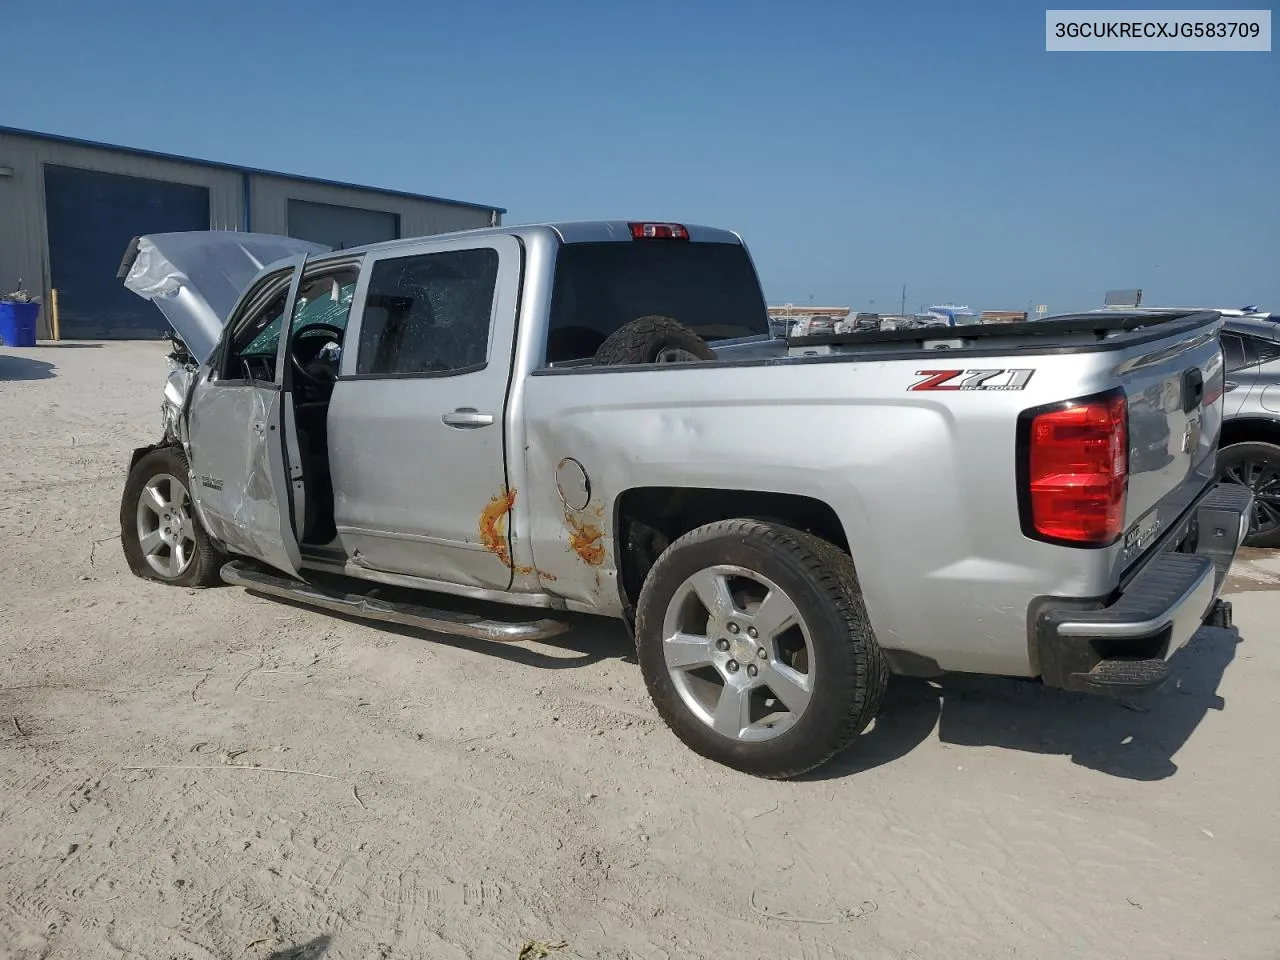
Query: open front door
[240, 418]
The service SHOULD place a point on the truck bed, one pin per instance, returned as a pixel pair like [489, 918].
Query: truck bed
[922, 472]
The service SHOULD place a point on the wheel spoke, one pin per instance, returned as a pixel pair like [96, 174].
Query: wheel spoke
[177, 494]
[1265, 513]
[748, 672]
[713, 590]
[154, 501]
[151, 542]
[775, 615]
[733, 711]
[188, 530]
[792, 688]
[181, 554]
[172, 567]
[687, 652]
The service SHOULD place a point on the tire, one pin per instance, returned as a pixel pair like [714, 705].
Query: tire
[196, 562]
[1257, 466]
[652, 339]
[842, 666]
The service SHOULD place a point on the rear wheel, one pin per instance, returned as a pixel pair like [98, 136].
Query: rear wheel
[159, 531]
[756, 647]
[1256, 466]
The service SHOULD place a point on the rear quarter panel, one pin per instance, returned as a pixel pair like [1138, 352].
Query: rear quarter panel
[923, 483]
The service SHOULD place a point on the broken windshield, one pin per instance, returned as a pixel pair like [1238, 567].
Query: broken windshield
[323, 308]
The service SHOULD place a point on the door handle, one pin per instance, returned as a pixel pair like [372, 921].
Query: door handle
[1192, 389]
[1230, 385]
[467, 417]
[260, 426]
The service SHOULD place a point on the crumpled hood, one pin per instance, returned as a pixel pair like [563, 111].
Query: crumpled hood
[196, 277]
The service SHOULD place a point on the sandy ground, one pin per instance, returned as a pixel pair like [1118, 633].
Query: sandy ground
[417, 796]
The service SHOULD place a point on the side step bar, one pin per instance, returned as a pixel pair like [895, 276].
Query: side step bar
[241, 574]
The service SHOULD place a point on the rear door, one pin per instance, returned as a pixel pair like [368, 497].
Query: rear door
[237, 428]
[1239, 381]
[416, 422]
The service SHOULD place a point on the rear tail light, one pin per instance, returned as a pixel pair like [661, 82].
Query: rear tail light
[1074, 470]
[658, 231]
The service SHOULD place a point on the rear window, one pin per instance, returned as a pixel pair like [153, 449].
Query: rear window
[709, 287]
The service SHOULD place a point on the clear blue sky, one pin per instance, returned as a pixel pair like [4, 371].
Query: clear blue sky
[857, 147]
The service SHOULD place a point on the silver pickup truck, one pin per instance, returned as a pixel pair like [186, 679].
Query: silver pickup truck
[593, 417]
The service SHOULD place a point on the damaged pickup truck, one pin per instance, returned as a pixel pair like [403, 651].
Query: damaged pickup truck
[593, 417]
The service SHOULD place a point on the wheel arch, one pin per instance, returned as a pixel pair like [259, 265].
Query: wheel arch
[1250, 429]
[140, 452]
[647, 519]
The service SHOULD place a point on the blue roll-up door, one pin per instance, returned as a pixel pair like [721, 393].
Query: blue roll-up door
[92, 216]
[341, 227]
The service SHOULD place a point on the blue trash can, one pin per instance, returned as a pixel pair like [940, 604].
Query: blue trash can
[18, 323]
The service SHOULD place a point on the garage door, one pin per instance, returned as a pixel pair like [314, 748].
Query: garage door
[92, 216]
[340, 227]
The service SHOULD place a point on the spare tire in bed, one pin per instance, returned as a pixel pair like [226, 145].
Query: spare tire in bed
[653, 339]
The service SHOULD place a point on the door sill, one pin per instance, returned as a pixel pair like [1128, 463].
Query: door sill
[338, 563]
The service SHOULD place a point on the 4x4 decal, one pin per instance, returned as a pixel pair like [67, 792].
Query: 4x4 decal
[972, 379]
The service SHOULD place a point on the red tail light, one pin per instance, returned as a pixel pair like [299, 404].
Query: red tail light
[658, 231]
[1075, 470]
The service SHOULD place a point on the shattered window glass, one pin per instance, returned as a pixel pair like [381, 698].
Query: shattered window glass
[428, 313]
[255, 360]
[321, 309]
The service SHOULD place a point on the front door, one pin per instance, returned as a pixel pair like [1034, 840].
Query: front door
[416, 420]
[236, 428]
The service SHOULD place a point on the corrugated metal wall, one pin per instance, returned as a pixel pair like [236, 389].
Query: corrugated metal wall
[24, 250]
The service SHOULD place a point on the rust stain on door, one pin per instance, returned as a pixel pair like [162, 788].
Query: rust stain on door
[493, 525]
[493, 533]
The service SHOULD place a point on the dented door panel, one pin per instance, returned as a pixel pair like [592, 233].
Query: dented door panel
[238, 472]
[236, 449]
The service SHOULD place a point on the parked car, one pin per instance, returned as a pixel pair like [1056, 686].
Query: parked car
[1249, 452]
[593, 417]
[810, 326]
[1250, 446]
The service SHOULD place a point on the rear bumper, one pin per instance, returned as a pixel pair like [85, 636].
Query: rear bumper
[1123, 646]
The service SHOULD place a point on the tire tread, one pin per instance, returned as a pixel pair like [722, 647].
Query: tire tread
[1259, 448]
[643, 338]
[832, 572]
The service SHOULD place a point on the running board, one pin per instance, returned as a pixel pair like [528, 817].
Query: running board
[240, 574]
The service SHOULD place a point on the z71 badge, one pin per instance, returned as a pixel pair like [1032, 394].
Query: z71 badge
[972, 379]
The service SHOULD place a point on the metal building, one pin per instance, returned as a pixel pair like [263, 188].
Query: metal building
[68, 209]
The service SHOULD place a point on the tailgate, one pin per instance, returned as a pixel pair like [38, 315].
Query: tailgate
[1174, 394]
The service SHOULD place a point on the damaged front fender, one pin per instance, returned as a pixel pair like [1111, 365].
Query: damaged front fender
[177, 389]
